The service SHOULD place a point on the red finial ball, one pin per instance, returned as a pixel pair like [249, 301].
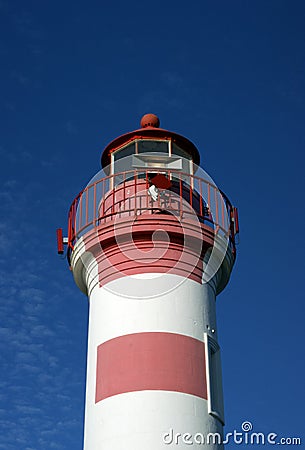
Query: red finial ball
[150, 120]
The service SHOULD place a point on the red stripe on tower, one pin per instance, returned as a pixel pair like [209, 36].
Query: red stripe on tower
[150, 361]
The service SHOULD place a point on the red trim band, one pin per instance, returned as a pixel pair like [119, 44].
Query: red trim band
[123, 248]
[150, 361]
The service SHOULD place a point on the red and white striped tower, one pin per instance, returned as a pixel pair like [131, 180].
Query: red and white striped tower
[151, 241]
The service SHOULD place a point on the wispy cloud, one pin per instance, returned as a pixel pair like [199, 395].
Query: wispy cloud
[18, 156]
[40, 406]
[20, 77]
[172, 79]
[26, 24]
[71, 127]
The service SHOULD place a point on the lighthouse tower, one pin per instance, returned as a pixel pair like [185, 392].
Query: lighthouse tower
[151, 242]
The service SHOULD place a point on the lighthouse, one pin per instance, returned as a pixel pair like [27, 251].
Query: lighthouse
[151, 242]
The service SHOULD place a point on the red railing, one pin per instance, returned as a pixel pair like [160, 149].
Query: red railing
[125, 194]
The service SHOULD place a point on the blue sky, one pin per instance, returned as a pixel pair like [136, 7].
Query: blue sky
[75, 75]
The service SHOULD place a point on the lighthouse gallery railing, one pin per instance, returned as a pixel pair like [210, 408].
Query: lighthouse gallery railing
[112, 195]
